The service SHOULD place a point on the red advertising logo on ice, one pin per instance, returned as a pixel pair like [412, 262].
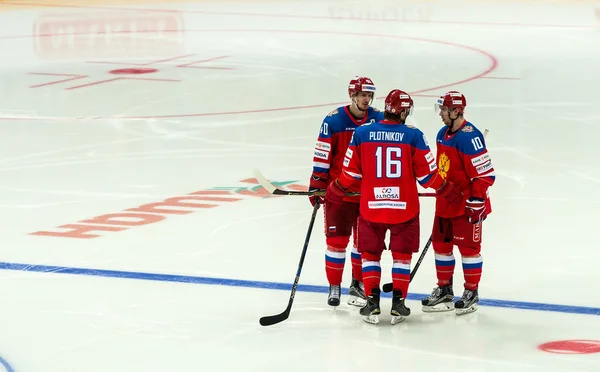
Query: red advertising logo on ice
[108, 34]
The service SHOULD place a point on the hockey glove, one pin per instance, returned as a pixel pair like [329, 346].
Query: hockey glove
[316, 184]
[450, 192]
[475, 209]
[335, 193]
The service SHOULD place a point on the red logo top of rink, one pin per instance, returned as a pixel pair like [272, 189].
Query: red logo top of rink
[108, 34]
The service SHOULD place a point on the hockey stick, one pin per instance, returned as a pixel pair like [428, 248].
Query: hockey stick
[388, 287]
[274, 319]
[274, 190]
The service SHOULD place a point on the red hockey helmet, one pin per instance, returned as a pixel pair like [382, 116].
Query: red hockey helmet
[397, 101]
[451, 100]
[361, 84]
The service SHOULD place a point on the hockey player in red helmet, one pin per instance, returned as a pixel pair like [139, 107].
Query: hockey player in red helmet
[341, 219]
[464, 160]
[387, 159]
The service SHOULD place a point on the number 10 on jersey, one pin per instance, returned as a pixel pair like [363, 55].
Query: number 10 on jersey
[390, 162]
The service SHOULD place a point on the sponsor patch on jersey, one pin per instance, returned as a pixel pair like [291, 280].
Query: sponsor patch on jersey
[349, 153]
[387, 193]
[334, 112]
[346, 162]
[467, 128]
[432, 166]
[323, 146]
[477, 232]
[429, 157]
[321, 154]
[387, 204]
[480, 159]
[484, 168]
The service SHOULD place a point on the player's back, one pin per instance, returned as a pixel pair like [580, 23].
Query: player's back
[389, 191]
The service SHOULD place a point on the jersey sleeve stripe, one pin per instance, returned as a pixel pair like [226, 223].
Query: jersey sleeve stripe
[320, 166]
[425, 179]
[353, 175]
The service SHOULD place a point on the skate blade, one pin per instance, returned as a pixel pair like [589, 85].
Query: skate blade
[372, 319]
[354, 293]
[439, 308]
[397, 319]
[356, 301]
[468, 310]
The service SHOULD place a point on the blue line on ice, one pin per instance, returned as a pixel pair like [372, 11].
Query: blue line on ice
[272, 285]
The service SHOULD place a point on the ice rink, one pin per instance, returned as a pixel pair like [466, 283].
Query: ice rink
[135, 238]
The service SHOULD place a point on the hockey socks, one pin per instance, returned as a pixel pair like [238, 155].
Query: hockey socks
[335, 259]
[472, 267]
[444, 267]
[371, 272]
[401, 272]
[356, 264]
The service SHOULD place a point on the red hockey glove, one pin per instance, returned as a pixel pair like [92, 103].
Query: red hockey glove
[316, 184]
[475, 209]
[450, 192]
[335, 193]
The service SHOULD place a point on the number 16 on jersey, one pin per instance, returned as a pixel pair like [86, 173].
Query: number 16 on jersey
[389, 162]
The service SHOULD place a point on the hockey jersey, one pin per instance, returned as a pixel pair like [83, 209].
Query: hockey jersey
[463, 159]
[389, 158]
[334, 137]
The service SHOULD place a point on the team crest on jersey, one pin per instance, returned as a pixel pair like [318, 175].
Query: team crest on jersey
[467, 128]
[334, 112]
[444, 165]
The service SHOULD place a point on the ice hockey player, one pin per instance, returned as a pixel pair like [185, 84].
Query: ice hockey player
[340, 219]
[464, 160]
[389, 157]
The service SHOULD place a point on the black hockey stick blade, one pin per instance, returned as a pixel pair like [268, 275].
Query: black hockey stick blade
[388, 287]
[274, 319]
[266, 321]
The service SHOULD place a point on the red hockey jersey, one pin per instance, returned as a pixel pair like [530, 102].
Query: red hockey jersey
[389, 158]
[336, 131]
[464, 160]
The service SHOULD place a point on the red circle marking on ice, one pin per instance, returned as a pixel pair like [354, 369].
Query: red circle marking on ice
[571, 347]
[133, 71]
[493, 64]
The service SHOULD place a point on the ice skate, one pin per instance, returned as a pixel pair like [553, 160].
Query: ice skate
[441, 299]
[334, 295]
[356, 294]
[370, 312]
[399, 310]
[467, 303]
